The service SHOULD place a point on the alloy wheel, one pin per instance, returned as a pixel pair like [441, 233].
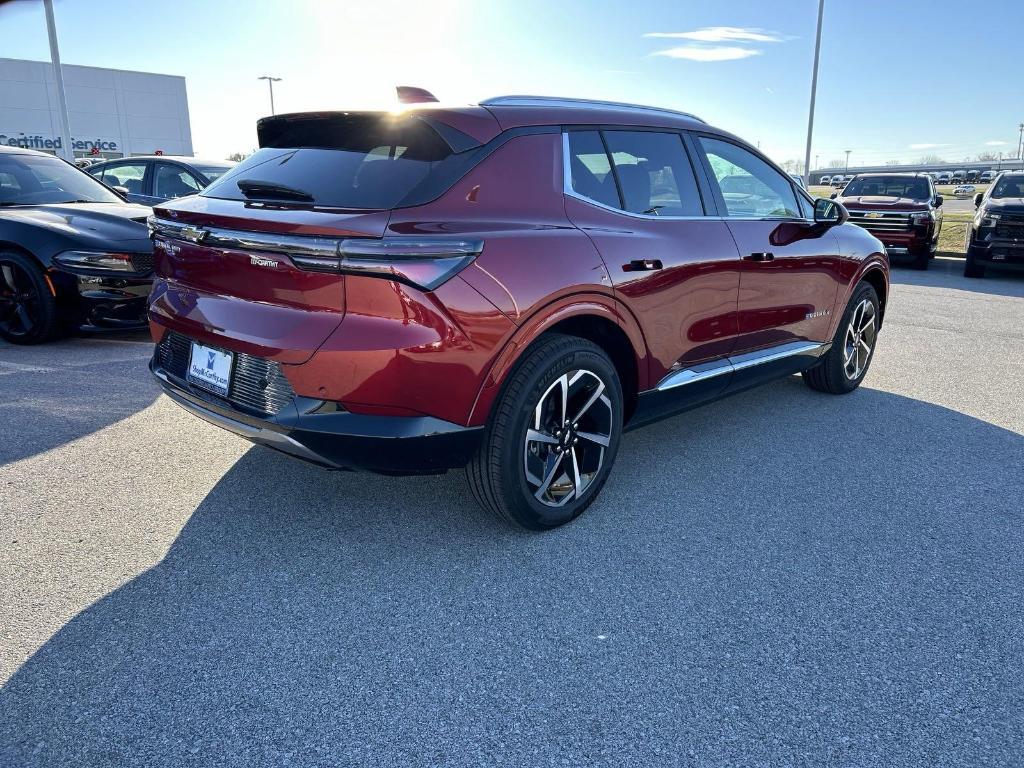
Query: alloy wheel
[565, 444]
[19, 301]
[859, 340]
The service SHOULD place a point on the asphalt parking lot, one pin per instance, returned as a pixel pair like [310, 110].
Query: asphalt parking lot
[782, 578]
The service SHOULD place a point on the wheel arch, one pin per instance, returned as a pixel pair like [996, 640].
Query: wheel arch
[597, 318]
[8, 245]
[875, 277]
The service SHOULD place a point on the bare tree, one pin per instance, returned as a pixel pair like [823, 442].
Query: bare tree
[237, 157]
[930, 160]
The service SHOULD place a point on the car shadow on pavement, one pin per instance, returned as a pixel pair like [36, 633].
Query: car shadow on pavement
[56, 393]
[781, 578]
[949, 273]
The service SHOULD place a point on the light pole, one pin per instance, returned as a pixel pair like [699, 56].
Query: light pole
[1020, 143]
[62, 103]
[814, 93]
[848, 160]
[270, 81]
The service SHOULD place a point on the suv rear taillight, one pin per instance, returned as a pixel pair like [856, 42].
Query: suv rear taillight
[424, 263]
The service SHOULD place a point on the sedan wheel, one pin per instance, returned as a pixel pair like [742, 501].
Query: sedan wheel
[28, 308]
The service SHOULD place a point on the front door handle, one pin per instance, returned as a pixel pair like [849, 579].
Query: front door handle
[642, 265]
[759, 256]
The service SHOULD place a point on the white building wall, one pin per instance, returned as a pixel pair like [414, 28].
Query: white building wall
[121, 112]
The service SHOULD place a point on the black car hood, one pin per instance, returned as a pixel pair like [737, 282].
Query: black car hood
[1005, 205]
[113, 222]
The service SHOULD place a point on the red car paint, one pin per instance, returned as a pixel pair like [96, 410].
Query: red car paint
[381, 347]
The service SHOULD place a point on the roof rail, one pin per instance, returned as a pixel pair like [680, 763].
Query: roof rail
[519, 100]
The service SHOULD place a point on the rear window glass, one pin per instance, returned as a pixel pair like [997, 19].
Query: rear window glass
[364, 161]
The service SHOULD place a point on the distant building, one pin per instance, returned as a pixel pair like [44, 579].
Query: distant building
[1005, 164]
[113, 112]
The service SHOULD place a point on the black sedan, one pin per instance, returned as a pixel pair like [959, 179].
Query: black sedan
[72, 252]
[157, 178]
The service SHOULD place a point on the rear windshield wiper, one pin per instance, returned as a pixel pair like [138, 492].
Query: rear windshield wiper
[268, 190]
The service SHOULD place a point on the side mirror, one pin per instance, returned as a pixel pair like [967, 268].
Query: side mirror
[833, 196]
[122, 191]
[938, 201]
[829, 212]
[977, 200]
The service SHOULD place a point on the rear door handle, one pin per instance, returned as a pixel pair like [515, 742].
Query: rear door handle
[759, 256]
[642, 265]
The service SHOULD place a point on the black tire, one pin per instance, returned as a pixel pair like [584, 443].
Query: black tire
[498, 474]
[28, 308]
[831, 373]
[919, 258]
[971, 266]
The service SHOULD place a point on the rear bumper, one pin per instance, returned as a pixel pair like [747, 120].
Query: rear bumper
[320, 432]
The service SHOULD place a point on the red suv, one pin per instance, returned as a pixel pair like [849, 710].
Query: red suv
[506, 286]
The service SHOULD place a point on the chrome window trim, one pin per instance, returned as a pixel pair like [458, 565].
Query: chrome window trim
[570, 192]
[740, 362]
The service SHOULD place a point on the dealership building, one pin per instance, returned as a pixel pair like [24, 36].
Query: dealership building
[113, 112]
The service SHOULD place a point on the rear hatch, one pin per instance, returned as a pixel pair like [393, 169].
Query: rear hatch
[243, 261]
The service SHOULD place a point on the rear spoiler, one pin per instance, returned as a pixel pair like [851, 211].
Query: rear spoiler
[327, 130]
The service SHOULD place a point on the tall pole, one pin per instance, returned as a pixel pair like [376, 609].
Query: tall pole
[1020, 143]
[814, 93]
[848, 160]
[270, 81]
[65, 124]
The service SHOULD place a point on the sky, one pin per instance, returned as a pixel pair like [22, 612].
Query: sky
[899, 79]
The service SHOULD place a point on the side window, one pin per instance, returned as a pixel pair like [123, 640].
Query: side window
[749, 186]
[806, 206]
[654, 173]
[172, 181]
[127, 175]
[591, 172]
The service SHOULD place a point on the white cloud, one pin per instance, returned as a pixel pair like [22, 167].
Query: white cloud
[712, 53]
[927, 146]
[995, 143]
[724, 35]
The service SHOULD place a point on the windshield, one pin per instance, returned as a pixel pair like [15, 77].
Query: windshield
[213, 172]
[40, 179]
[1009, 186]
[888, 186]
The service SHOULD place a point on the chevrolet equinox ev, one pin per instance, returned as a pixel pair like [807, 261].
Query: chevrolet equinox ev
[504, 287]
